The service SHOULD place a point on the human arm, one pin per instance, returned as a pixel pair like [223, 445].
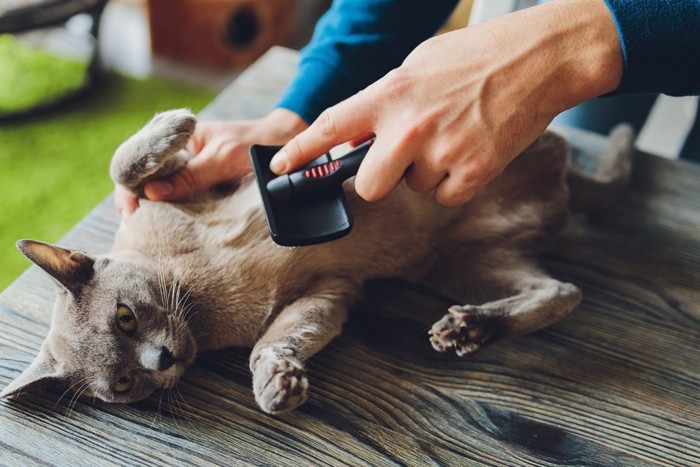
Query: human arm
[220, 152]
[356, 42]
[465, 103]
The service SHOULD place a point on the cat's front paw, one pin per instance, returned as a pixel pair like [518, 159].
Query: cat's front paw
[464, 329]
[155, 150]
[279, 383]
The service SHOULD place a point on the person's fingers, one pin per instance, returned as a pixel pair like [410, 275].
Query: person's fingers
[381, 170]
[201, 173]
[422, 178]
[125, 201]
[454, 190]
[355, 142]
[347, 120]
[196, 142]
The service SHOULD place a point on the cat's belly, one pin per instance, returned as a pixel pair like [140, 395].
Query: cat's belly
[222, 252]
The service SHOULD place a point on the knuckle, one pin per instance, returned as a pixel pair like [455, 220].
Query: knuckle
[477, 173]
[326, 123]
[411, 133]
[444, 160]
[465, 178]
[226, 155]
[226, 159]
[229, 148]
[394, 84]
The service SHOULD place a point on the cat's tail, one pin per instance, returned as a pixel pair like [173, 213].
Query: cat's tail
[594, 191]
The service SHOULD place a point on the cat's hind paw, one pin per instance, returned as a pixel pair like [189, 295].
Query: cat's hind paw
[154, 151]
[279, 383]
[464, 329]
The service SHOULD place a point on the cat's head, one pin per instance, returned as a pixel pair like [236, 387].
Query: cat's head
[118, 331]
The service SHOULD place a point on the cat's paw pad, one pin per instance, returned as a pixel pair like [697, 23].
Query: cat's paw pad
[279, 383]
[463, 329]
[155, 149]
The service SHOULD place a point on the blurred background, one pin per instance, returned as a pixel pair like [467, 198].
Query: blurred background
[77, 77]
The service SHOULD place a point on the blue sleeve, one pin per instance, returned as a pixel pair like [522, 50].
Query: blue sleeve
[354, 44]
[661, 45]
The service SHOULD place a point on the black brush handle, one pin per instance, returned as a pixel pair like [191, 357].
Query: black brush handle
[319, 179]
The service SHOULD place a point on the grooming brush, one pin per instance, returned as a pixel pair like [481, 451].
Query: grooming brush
[308, 206]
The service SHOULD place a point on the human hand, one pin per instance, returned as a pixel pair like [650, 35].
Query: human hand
[464, 104]
[220, 152]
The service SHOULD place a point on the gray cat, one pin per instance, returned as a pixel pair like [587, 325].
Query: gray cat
[204, 275]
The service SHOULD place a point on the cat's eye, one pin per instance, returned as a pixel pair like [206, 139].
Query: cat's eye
[126, 319]
[124, 383]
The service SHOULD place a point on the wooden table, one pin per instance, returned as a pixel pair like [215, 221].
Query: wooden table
[615, 383]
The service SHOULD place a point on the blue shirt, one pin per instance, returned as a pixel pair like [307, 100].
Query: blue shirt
[358, 41]
[661, 45]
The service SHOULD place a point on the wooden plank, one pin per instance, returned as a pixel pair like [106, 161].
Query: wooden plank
[614, 383]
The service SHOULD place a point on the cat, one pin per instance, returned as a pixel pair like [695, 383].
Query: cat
[201, 275]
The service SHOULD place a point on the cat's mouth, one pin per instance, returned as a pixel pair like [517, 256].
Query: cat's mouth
[189, 351]
[183, 358]
[173, 375]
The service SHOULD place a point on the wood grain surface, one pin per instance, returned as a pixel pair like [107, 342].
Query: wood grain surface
[615, 383]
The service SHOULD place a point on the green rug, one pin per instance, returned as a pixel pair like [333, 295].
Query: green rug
[54, 167]
[31, 76]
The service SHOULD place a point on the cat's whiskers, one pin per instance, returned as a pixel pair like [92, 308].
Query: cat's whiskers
[184, 305]
[162, 285]
[167, 290]
[71, 386]
[169, 295]
[174, 409]
[175, 289]
[158, 411]
[179, 307]
[74, 400]
[180, 407]
[186, 315]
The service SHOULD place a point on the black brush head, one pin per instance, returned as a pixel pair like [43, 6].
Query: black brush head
[304, 221]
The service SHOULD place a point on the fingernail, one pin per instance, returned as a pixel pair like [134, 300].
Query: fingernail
[278, 164]
[161, 188]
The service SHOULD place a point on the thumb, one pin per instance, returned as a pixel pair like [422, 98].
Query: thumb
[351, 118]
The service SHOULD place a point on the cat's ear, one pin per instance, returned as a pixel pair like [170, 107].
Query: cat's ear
[71, 268]
[42, 372]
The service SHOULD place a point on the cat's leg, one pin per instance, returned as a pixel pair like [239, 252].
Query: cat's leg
[536, 300]
[303, 328]
[155, 151]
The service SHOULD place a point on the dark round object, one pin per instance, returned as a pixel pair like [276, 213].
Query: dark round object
[243, 27]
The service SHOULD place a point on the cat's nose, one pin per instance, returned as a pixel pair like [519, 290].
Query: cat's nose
[166, 359]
